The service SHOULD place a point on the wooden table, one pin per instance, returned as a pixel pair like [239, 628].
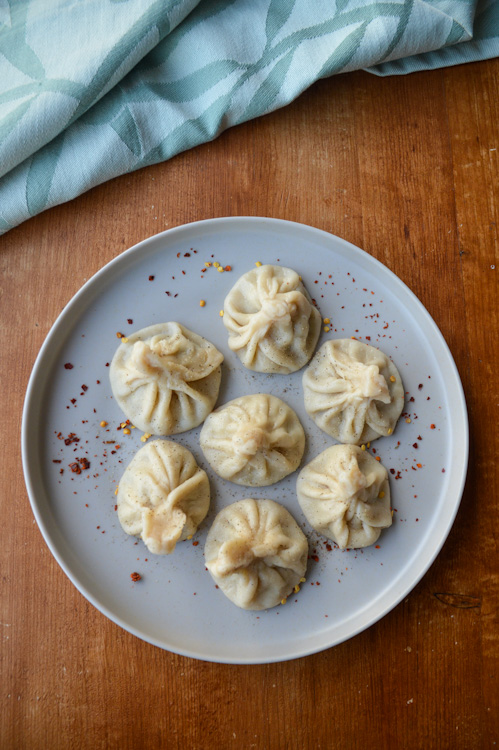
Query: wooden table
[406, 168]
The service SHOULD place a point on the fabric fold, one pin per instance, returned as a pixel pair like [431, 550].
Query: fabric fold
[92, 90]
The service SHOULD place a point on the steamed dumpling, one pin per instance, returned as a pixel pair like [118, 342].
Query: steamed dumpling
[272, 323]
[353, 391]
[256, 553]
[166, 378]
[253, 440]
[345, 495]
[163, 496]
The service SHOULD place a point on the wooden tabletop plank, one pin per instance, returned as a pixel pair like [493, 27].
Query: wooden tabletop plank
[405, 168]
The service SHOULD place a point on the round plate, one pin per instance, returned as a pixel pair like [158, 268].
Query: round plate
[175, 605]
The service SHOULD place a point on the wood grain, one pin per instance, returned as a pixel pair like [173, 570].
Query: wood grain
[406, 168]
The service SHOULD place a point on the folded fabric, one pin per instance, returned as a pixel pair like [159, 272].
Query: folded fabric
[92, 89]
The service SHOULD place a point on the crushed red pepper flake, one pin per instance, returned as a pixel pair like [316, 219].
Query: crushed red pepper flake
[135, 577]
[68, 366]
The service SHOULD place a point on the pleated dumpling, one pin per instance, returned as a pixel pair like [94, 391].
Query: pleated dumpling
[345, 495]
[166, 378]
[163, 496]
[253, 440]
[272, 323]
[256, 553]
[353, 391]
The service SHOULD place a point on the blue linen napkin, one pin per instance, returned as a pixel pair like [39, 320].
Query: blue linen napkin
[92, 89]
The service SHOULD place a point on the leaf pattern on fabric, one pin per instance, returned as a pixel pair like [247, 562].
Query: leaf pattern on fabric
[162, 76]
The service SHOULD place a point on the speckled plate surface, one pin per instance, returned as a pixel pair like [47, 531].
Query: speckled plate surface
[175, 605]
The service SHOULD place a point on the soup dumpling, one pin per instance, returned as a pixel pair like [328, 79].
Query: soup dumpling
[272, 322]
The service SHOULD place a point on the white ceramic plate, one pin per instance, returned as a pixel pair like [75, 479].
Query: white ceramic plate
[176, 605]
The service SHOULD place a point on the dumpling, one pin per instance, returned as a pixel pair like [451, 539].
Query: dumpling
[345, 495]
[166, 378]
[272, 323]
[256, 553]
[163, 496]
[353, 391]
[253, 440]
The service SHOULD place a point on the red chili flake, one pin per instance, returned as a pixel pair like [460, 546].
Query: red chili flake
[129, 321]
[135, 577]
[377, 546]
[420, 466]
[115, 507]
[183, 272]
[84, 388]
[75, 468]
[228, 268]
[187, 255]
[443, 471]
[84, 463]
[420, 386]
[98, 383]
[432, 427]
[178, 255]
[419, 437]
[315, 557]
[328, 547]
[195, 544]
[415, 445]
[73, 400]
[151, 278]
[68, 366]
[56, 461]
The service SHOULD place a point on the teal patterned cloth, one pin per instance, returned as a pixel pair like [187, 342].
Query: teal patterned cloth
[91, 89]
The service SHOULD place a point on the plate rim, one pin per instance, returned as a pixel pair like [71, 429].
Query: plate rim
[29, 404]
